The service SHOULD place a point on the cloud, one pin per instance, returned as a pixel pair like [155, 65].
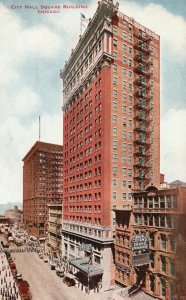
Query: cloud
[173, 145]
[17, 141]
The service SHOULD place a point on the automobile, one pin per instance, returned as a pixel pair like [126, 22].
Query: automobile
[41, 255]
[69, 281]
[60, 272]
[52, 266]
[45, 259]
[19, 276]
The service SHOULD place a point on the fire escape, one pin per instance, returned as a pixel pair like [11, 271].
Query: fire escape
[142, 110]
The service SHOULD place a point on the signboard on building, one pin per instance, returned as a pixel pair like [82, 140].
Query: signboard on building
[139, 242]
[85, 247]
[141, 259]
[123, 268]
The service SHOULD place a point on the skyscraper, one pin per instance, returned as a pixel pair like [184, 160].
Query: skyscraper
[42, 185]
[111, 133]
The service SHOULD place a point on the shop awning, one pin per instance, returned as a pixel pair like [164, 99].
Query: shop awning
[83, 266]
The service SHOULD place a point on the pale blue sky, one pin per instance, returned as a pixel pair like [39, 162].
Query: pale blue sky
[34, 48]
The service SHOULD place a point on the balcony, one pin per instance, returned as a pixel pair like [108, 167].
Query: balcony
[147, 38]
[142, 153]
[142, 71]
[138, 46]
[141, 165]
[143, 84]
[141, 58]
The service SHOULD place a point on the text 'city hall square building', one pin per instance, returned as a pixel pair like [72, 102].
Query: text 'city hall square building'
[111, 85]
[42, 185]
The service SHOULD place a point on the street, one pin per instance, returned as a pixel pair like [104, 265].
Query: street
[44, 283]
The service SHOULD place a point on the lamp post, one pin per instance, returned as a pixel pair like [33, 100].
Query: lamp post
[88, 280]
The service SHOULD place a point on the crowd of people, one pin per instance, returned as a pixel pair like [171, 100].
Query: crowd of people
[8, 289]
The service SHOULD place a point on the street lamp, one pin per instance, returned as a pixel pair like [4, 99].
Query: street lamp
[88, 280]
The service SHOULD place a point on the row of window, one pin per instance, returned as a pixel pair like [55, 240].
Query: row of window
[165, 221]
[86, 197]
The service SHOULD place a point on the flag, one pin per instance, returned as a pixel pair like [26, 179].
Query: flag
[83, 18]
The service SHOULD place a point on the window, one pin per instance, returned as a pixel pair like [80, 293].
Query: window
[114, 118]
[172, 267]
[130, 62]
[124, 60]
[114, 144]
[129, 159]
[115, 68]
[125, 35]
[124, 147]
[114, 106]
[152, 239]
[114, 170]
[163, 287]
[129, 147]
[124, 97]
[124, 196]
[129, 172]
[124, 183]
[114, 157]
[115, 42]
[130, 123]
[114, 80]
[114, 183]
[163, 264]
[124, 171]
[124, 159]
[114, 131]
[130, 50]
[115, 55]
[124, 109]
[114, 195]
[115, 29]
[124, 84]
[130, 86]
[130, 38]
[163, 242]
[115, 93]
[130, 74]
[124, 72]
[124, 47]
[129, 184]
[129, 196]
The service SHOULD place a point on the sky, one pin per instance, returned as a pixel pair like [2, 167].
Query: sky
[33, 49]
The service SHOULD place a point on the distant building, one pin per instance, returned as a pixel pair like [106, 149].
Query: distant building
[4, 220]
[15, 214]
[42, 185]
[156, 215]
[54, 233]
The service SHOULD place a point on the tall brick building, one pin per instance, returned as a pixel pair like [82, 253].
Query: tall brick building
[42, 185]
[111, 131]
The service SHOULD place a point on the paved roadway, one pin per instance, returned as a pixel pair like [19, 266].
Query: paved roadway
[44, 283]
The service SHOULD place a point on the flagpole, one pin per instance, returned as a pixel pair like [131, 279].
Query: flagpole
[80, 25]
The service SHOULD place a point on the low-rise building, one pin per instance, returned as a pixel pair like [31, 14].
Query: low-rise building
[54, 233]
[146, 241]
[15, 214]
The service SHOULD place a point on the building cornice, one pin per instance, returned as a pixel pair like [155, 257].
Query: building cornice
[105, 9]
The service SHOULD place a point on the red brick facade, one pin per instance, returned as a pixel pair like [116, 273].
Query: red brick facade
[111, 124]
[155, 213]
[42, 185]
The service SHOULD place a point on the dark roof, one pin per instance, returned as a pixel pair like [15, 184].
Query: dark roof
[177, 183]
